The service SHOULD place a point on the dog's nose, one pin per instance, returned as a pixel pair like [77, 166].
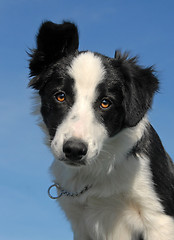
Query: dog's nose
[75, 149]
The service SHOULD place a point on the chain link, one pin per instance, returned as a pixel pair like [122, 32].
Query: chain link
[62, 191]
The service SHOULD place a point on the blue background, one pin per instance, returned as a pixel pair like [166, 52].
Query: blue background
[142, 27]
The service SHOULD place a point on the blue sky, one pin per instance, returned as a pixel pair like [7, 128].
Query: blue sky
[145, 28]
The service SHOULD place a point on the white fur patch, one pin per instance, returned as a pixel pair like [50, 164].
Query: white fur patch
[87, 71]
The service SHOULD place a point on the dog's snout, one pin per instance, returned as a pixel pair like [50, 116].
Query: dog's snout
[75, 149]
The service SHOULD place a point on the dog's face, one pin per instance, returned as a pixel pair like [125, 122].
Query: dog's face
[81, 107]
[86, 97]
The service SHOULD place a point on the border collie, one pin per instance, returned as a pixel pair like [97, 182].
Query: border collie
[113, 177]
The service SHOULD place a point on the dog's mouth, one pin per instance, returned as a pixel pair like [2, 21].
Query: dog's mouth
[74, 163]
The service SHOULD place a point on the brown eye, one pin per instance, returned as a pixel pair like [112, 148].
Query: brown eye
[60, 97]
[105, 103]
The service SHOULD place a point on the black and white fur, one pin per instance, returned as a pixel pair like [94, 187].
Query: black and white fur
[114, 148]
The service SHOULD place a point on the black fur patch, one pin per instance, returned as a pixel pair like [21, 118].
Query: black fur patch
[139, 86]
[54, 41]
[56, 80]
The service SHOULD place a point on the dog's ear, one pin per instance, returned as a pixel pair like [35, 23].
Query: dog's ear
[139, 86]
[54, 41]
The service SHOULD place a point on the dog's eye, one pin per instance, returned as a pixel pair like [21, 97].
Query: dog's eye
[105, 103]
[60, 97]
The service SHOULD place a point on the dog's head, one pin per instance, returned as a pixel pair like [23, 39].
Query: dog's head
[86, 97]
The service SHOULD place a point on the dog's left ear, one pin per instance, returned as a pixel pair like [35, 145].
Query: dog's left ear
[139, 86]
[54, 41]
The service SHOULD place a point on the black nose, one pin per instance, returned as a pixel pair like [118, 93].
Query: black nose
[75, 149]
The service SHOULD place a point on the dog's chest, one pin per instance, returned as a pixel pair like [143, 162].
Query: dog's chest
[121, 216]
[115, 218]
[101, 219]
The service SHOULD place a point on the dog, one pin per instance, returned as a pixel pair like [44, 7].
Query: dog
[114, 179]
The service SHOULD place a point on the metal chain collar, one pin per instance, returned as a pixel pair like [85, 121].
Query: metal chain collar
[62, 191]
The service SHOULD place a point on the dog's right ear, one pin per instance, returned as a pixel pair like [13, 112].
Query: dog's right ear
[54, 41]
